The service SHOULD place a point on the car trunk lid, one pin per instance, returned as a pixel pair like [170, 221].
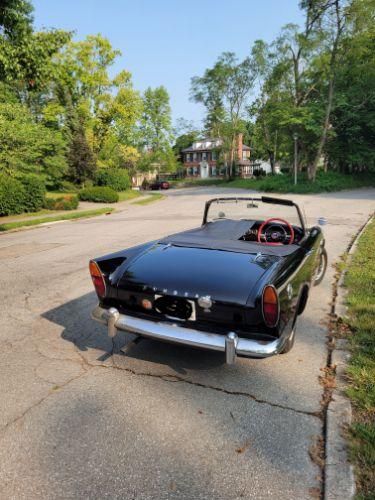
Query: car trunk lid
[225, 276]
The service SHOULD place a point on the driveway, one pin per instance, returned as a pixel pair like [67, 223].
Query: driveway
[161, 421]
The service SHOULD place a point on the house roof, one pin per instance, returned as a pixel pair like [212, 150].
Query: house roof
[210, 148]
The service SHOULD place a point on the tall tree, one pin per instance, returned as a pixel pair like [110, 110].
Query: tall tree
[350, 144]
[335, 21]
[81, 160]
[224, 90]
[156, 118]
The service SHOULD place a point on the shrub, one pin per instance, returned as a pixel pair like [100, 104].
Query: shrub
[99, 194]
[116, 178]
[259, 172]
[12, 194]
[66, 187]
[68, 202]
[35, 192]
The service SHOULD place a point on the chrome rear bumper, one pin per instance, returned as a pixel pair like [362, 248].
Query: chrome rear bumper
[231, 343]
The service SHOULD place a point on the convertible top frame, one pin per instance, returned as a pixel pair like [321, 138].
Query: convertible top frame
[264, 199]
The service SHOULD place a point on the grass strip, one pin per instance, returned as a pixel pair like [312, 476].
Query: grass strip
[76, 215]
[360, 281]
[150, 199]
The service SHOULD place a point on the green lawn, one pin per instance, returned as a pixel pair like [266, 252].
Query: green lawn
[64, 216]
[325, 182]
[128, 195]
[123, 195]
[284, 183]
[150, 199]
[360, 281]
[59, 194]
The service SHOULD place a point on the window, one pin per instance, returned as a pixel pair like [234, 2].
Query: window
[204, 156]
[213, 155]
[194, 156]
[213, 171]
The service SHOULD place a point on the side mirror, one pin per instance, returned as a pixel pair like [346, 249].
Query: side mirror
[322, 221]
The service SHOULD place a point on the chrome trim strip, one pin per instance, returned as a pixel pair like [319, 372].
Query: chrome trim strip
[231, 344]
[292, 276]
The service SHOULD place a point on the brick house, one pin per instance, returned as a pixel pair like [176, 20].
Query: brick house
[201, 158]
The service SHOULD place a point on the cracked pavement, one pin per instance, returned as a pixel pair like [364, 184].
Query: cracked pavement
[161, 421]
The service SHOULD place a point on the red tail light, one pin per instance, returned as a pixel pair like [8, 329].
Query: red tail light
[97, 279]
[270, 306]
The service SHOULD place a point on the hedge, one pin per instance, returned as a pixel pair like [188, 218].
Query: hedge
[116, 178]
[98, 194]
[12, 194]
[19, 194]
[35, 192]
[68, 202]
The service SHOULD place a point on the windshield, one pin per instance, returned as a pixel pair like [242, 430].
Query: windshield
[251, 209]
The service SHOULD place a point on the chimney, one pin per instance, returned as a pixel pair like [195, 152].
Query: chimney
[239, 146]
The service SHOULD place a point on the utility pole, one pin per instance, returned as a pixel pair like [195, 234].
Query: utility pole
[295, 137]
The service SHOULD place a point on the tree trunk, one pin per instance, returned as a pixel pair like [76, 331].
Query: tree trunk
[271, 156]
[340, 21]
[312, 170]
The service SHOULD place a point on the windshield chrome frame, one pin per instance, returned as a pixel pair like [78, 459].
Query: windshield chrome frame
[264, 199]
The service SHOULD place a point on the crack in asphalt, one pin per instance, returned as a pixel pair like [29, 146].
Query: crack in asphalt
[175, 378]
[4, 429]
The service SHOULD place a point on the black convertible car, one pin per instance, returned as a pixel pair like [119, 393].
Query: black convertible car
[235, 284]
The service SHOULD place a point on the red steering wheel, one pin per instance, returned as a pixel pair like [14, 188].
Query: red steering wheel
[266, 242]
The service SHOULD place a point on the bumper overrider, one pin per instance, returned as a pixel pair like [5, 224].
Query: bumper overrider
[230, 343]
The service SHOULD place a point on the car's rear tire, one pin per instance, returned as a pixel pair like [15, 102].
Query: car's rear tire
[322, 266]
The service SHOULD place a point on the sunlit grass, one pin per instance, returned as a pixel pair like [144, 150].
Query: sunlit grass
[128, 195]
[63, 216]
[150, 199]
[360, 281]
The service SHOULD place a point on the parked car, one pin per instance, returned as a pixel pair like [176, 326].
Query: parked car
[236, 284]
[159, 185]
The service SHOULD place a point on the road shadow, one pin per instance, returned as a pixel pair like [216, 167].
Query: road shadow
[277, 378]
[85, 333]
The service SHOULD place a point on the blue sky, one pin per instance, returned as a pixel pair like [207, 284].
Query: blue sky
[166, 42]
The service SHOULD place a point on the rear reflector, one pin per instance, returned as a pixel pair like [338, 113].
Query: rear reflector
[97, 279]
[270, 306]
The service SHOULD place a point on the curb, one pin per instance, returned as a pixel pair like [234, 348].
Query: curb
[339, 480]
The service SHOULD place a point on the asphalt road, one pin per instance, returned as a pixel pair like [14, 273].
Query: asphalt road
[163, 421]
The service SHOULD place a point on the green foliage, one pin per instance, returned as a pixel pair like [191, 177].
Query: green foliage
[65, 187]
[16, 17]
[351, 146]
[325, 182]
[23, 194]
[35, 192]
[117, 179]
[82, 163]
[184, 141]
[12, 193]
[224, 90]
[162, 160]
[29, 146]
[156, 119]
[67, 202]
[99, 194]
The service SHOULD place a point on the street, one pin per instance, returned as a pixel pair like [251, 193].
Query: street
[160, 421]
